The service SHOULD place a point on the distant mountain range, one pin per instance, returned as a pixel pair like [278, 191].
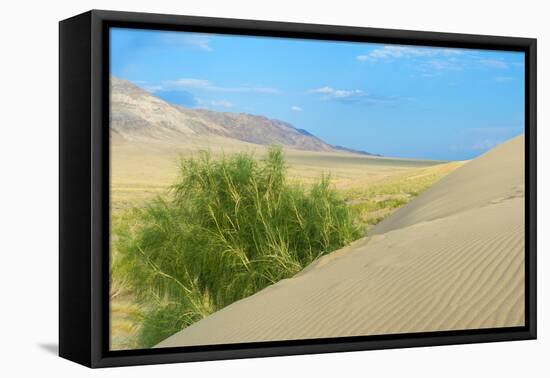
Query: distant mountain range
[352, 150]
[138, 115]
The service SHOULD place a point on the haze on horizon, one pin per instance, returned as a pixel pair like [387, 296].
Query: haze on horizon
[400, 101]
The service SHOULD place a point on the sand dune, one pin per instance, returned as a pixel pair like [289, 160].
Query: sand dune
[451, 259]
[494, 176]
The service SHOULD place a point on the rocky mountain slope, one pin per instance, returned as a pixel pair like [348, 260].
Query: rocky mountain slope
[137, 115]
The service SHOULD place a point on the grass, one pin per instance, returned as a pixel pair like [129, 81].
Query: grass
[373, 202]
[230, 227]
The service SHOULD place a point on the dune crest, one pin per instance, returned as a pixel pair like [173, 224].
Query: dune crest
[451, 259]
[493, 176]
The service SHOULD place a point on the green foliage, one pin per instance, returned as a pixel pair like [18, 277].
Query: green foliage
[230, 227]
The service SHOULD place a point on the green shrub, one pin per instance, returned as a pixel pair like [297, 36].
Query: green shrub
[229, 228]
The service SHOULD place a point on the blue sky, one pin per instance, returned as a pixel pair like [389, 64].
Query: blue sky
[403, 101]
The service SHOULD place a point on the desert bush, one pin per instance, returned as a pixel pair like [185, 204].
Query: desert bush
[229, 227]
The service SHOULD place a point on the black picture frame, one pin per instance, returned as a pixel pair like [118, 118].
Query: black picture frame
[84, 187]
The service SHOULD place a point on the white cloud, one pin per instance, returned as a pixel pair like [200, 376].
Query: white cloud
[193, 40]
[295, 108]
[206, 85]
[322, 90]
[349, 96]
[434, 58]
[493, 63]
[329, 92]
[189, 83]
[448, 64]
[396, 52]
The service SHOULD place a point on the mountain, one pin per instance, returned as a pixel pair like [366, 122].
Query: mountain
[360, 152]
[137, 115]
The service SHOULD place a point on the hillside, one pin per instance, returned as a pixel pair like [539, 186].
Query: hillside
[137, 115]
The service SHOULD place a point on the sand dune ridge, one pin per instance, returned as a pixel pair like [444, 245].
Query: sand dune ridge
[451, 259]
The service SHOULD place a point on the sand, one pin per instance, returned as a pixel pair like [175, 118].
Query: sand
[452, 259]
